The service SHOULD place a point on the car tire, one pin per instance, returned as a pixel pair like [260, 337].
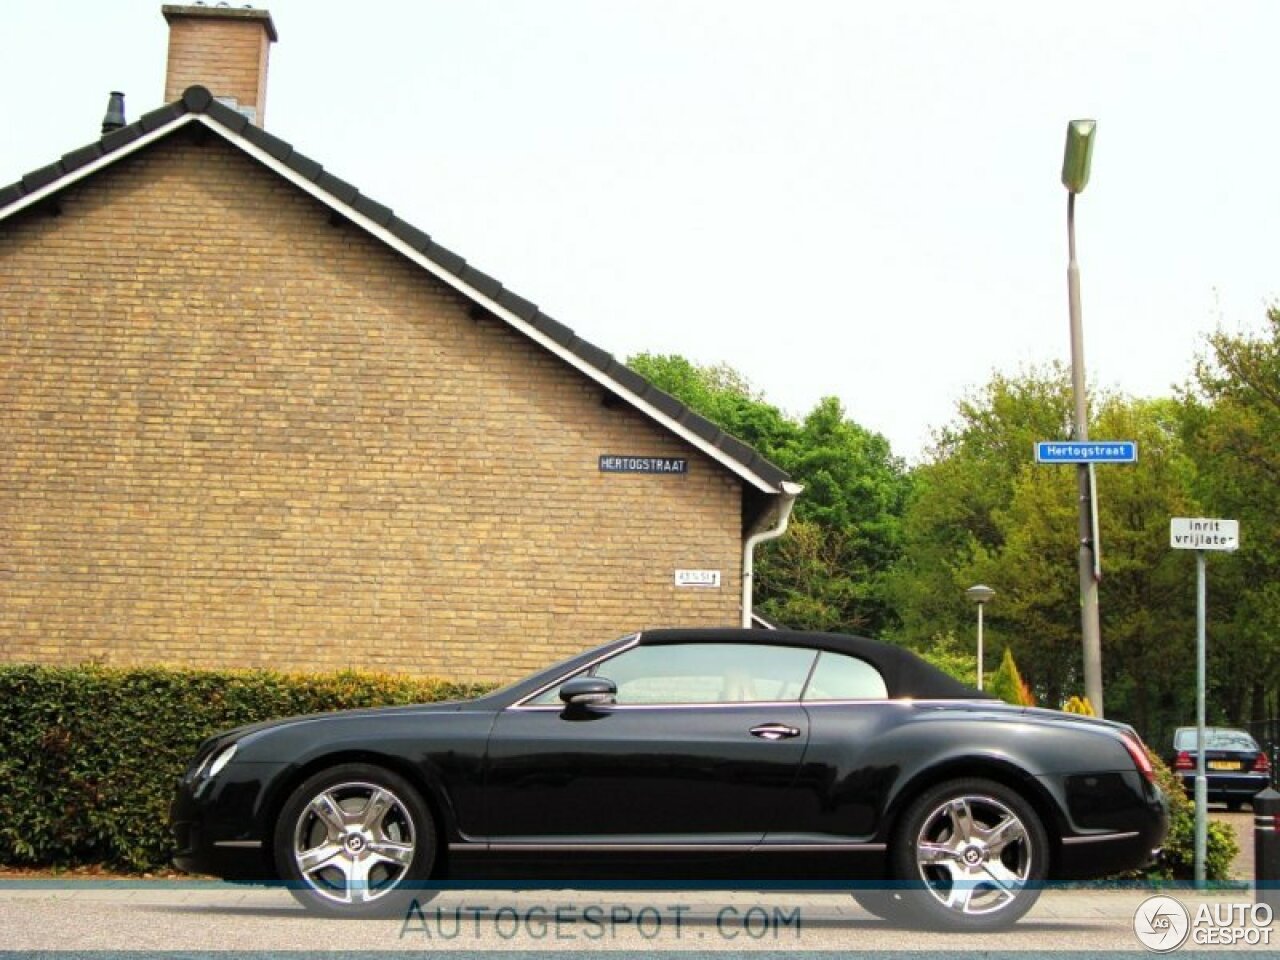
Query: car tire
[971, 855]
[355, 840]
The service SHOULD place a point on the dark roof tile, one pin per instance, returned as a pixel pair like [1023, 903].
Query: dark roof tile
[589, 352]
[737, 449]
[304, 167]
[11, 194]
[411, 235]
[522, 308]
[629, 379]
[341, 191]
[554, 329]
[36, 179]
[233, 120]
[445, 258]
[272, 145]
[197, 98]
[482, 283]
[78, 158]
[156, 119]
[373, 210]
[666, 403]
[118, 138]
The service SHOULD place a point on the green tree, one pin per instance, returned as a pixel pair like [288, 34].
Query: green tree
[984, 511]
[1007, 684]
[1231, 419]
[950, 526]
[827, 573]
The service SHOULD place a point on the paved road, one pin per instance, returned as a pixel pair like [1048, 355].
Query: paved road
[163, 916]
[167, 916]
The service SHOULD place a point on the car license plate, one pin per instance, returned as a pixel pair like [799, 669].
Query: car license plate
[1224, 765]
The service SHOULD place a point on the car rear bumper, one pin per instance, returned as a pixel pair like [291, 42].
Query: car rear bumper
[1227, 786]
[1118, 823]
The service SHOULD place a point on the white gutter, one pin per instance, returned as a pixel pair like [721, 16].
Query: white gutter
[788, 500]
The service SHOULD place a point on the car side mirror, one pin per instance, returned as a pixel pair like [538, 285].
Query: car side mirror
[588, 691]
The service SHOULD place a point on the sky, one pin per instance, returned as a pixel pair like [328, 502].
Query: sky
[835, 197]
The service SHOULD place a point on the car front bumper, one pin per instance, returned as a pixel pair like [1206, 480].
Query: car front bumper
[221, 825]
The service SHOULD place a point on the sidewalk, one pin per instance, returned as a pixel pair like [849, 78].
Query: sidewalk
[166, 916]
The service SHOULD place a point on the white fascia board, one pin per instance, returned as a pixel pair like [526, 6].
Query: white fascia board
[530, 331]
[89, 169]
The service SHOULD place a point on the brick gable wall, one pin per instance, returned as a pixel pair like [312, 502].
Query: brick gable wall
[236, 434]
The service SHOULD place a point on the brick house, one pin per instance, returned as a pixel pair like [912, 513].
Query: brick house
[252, 418]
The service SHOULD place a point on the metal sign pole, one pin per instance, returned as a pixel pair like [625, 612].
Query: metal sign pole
[1202, 782]
[1201, 534]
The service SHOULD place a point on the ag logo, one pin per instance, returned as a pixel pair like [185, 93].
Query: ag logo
[1161, 923]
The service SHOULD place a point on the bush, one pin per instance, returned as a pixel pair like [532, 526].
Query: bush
[1179, 860]
[89, 755]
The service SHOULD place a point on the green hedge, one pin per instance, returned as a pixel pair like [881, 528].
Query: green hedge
[89, 755]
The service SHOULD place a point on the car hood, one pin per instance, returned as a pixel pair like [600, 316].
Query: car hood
[250, 731]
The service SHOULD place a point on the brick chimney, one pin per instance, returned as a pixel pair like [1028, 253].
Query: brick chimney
[223, 48]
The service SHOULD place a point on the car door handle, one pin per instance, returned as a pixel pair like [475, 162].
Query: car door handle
[774, 731]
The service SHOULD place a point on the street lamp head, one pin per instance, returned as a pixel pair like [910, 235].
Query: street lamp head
[1078, 153]
[980, 594]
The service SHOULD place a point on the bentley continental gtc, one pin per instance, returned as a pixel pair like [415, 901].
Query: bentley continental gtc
[728, 758]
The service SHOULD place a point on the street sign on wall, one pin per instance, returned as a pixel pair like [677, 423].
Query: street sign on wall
[1204, 533]
[698, 578]
[1086, 451]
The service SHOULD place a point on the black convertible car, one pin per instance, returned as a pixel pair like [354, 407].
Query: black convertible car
[718, 757]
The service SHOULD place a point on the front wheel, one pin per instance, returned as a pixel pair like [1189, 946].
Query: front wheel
[972, 855]
[354, 841]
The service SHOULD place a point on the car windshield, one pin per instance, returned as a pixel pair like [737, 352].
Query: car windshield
[1215, 739]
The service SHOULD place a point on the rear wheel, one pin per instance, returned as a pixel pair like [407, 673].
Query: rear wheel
[355, 840]
[972, 855]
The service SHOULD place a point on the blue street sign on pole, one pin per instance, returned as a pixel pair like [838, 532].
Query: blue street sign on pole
[1086, 451]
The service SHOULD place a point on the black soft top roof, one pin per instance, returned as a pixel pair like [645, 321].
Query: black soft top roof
[905, 674]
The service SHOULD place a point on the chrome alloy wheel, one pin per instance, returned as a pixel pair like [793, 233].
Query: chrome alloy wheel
[973, 854]
[354, 842]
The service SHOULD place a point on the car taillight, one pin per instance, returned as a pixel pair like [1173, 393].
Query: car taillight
[1261, 764]
[1184, 761]
[1139, 754]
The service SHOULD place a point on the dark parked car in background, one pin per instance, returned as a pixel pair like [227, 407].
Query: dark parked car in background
[734, 758]
[1236, 768]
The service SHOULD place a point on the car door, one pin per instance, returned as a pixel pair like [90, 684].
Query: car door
[700, 747]
[853, 759]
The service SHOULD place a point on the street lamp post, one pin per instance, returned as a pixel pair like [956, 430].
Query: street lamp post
[1075, 176]
[980, 594]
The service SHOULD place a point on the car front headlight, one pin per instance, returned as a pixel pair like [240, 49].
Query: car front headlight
[221, 760]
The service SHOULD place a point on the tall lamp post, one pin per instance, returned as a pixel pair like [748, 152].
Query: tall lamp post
[980, 594]
[1075, 176]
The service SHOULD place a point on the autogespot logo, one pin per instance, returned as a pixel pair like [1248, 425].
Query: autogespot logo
[1161, 923]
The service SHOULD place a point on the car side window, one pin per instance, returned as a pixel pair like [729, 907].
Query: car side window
[703, 673]
[708, 673]
[839, 677]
